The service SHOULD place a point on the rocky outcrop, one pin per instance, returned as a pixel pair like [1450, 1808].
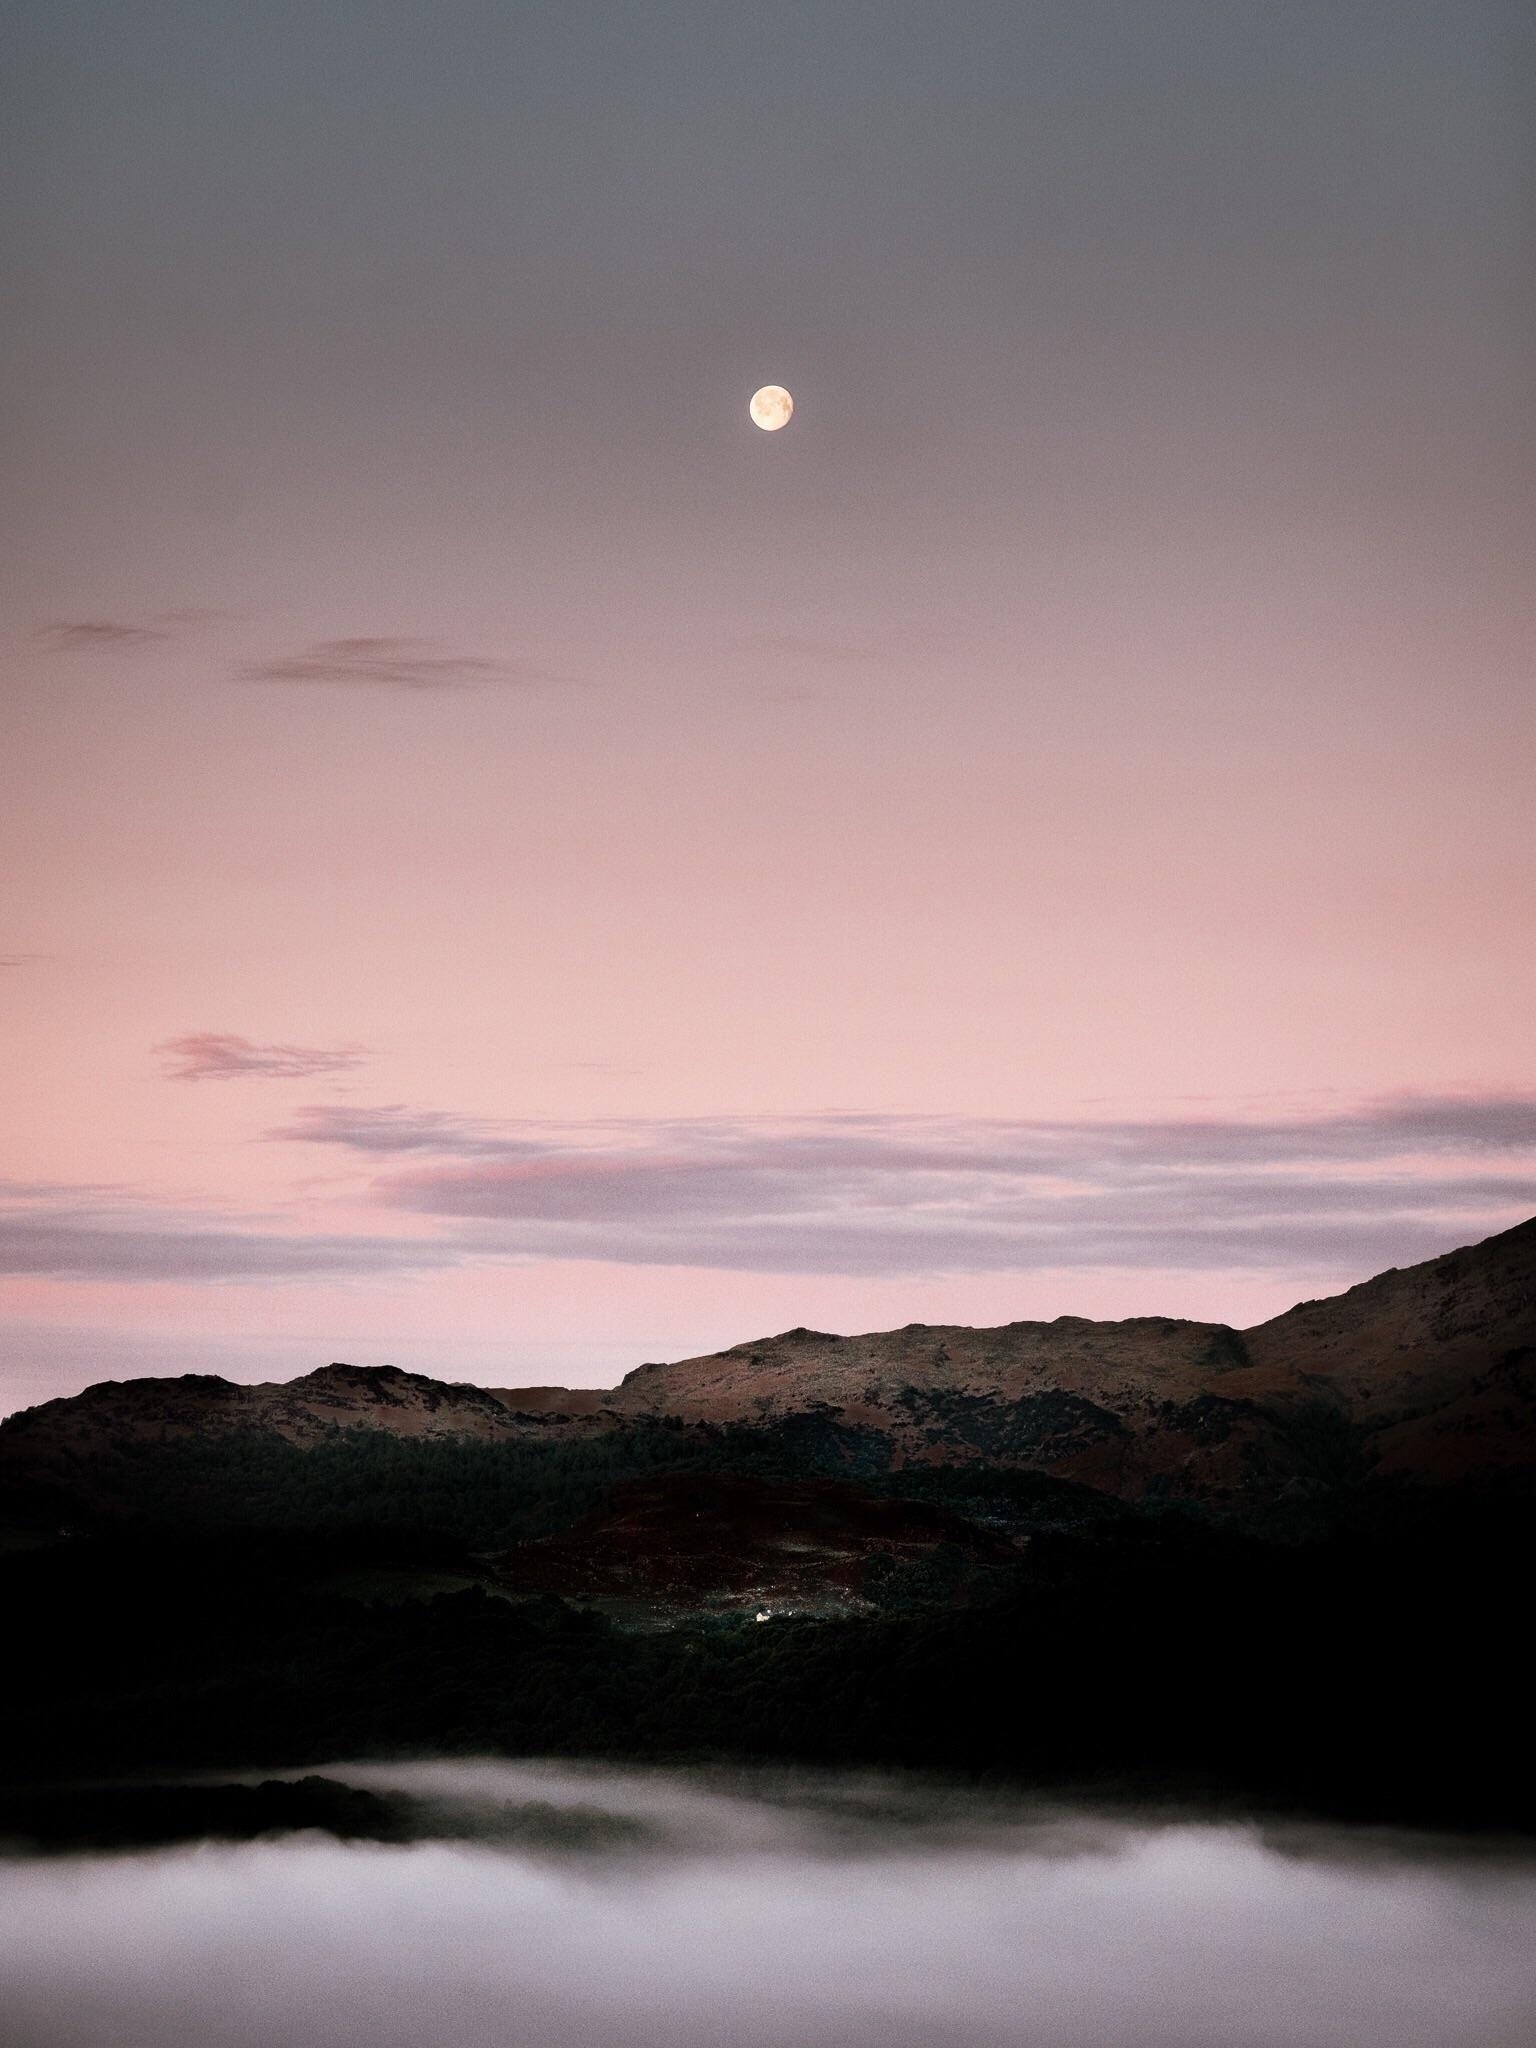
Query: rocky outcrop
[1101, 1403]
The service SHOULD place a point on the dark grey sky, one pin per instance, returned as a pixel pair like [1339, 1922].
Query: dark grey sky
[1145, 246]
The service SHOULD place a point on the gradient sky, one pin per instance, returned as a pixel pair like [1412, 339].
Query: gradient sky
[514, 872]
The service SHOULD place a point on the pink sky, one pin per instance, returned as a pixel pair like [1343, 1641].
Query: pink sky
[1090, 746]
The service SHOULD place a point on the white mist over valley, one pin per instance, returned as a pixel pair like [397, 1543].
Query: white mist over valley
[558, 1906]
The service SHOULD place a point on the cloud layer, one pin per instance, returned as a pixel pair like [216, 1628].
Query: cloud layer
[845, 1195]
[224, 1056]
[395, 664]
[103, 1235]
[87, 636]
[1388, 1183]
[80, 636]
[821, 1911]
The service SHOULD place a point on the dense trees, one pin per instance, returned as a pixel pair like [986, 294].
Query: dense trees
[1372, 1673]
[1356, 1652]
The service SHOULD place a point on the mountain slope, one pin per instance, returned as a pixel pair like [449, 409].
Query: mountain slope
[1426, 1371]
[1435, 1364]
[1107, 1404]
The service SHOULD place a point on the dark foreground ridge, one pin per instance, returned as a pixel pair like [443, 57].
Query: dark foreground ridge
[1277, 1568]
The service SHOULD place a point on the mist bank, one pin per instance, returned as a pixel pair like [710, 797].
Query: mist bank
[558, 1905]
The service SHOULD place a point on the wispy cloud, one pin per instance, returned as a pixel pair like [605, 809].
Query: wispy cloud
[390, 664]
[83, 636]
[87, 636]
[1386, 1183]
[392, 1128]
[106, 1235]
[222, 1056]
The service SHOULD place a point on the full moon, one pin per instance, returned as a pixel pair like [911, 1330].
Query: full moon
[771, 408]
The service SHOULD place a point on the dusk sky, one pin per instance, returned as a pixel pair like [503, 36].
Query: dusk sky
[513, 872]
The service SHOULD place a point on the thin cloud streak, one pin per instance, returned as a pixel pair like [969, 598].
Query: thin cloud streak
[224, 1056]
[83, 636]
[1386, 1129]
[398, 664]
[63, 1239]
[391, 1127]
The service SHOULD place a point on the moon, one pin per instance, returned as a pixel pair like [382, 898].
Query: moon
[771, 407]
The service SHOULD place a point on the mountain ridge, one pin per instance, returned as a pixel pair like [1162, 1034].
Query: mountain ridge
[1281, 1566]
[1425, 1371]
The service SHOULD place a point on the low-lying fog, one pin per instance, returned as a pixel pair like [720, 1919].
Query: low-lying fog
[618, 1909]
